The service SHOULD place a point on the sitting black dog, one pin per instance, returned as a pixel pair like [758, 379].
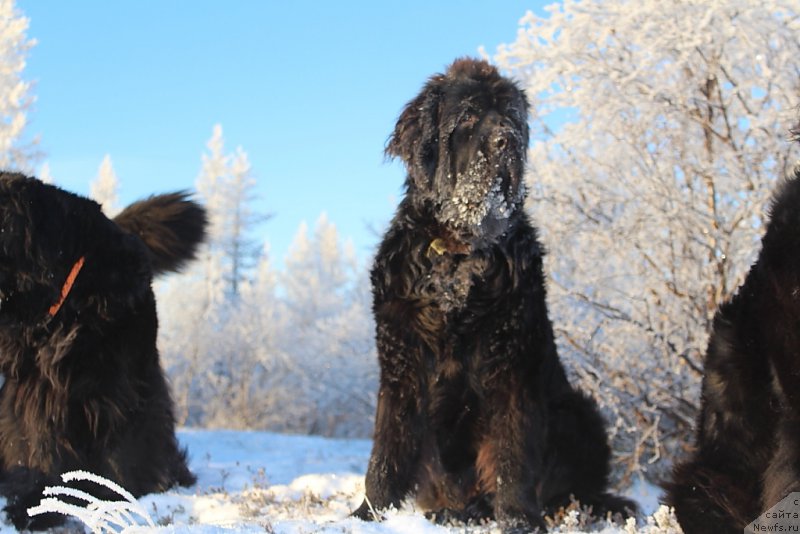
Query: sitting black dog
[475, 414]
[747, 455]
[83, 386]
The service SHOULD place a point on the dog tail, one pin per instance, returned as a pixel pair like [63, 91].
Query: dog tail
[172, 226]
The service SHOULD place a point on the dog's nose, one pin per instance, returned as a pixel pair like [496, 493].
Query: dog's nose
[502, 139]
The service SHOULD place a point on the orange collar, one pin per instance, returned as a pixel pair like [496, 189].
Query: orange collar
[67, 287]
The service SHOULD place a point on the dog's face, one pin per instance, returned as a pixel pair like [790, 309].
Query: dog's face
[463, 140]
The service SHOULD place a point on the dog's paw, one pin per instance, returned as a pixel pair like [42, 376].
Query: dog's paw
[366, 513]
[446, 516]
[17, 514]
[519, 523]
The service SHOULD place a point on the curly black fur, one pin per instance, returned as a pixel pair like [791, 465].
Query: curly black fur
[475, 414]
[83, 385]
[747, 455]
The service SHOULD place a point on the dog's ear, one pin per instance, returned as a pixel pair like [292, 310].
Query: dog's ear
[415, 139]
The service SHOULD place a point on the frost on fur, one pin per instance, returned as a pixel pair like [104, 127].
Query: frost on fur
[476, 202]
[125, 515]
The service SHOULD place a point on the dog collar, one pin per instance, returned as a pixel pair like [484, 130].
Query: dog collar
[437, 247]
[67, 287]
[440, 247]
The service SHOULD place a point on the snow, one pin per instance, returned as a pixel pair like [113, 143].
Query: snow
[285, 484]
[474, 198]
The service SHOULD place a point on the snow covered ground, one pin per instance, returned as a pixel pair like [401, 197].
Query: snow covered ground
[262, 482]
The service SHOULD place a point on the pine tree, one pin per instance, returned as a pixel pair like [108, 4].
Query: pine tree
[246, 346]
[227, 186]
[318, 271]
[209, 340]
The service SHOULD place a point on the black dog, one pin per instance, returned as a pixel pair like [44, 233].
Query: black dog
[747, 454]
[475, 414]
[83, 385]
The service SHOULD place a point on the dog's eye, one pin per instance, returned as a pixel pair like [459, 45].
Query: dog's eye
[468, 119]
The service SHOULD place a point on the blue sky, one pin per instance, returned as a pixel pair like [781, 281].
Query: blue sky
[310, 90]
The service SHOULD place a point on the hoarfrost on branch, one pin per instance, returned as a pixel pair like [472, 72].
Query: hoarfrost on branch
[659, 131]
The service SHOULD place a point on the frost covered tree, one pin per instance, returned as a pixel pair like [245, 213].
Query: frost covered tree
[262, 391]
[247, 346]
[227, 186]
[203, 347]
[15, 93]
[659, 131]
[215, 365]
[305, 361]
[318, 271]
[293, 351]
[193, 315]
[329, 330]
[105, 188]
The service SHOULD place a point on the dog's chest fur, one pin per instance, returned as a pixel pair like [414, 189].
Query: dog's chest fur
[450, 280]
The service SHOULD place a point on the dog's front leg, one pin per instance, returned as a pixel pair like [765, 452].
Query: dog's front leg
[399, 425]
[510, 456]
[395, 451]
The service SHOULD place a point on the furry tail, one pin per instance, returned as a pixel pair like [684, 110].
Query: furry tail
[172, 226]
